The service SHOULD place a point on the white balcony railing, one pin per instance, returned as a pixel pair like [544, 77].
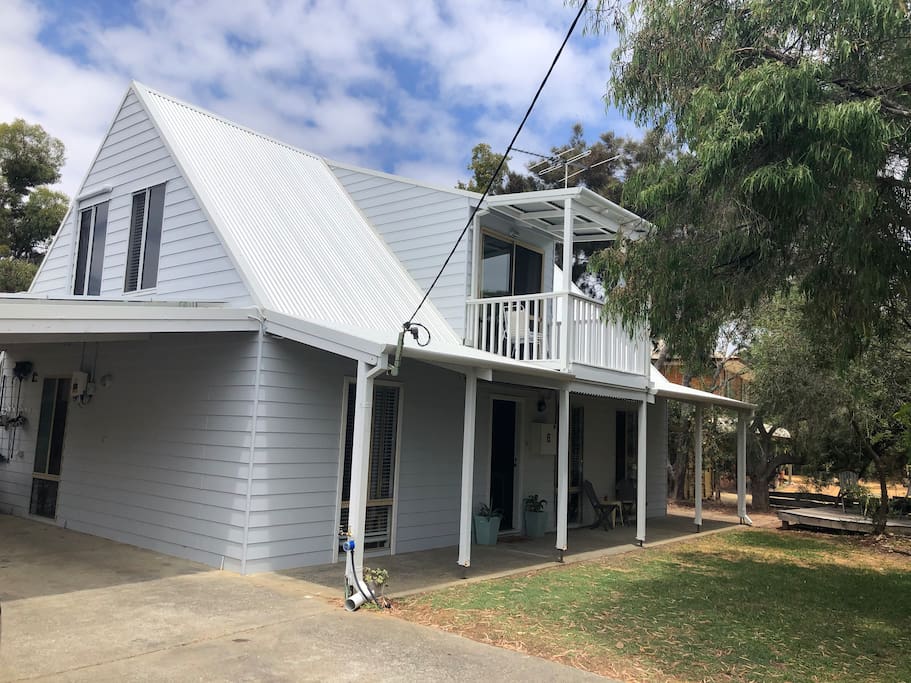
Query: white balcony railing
[531, 327]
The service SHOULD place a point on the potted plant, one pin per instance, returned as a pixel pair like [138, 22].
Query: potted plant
[535, 517]
[487, 525]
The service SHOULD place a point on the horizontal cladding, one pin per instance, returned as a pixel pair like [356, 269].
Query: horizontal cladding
[420, 225]
[160, 457]
[294, 492]
[656, 463]
[430, 460]
[193, 263]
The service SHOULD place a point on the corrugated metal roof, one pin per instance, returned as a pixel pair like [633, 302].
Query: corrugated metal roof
[296, 237]
[666, 388]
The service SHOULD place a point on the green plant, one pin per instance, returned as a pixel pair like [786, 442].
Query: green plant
[534, 504]
[488, 513]
[377, 576]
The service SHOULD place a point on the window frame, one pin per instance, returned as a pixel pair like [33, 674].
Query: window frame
[93, 229]
[141, 271]
[61, 387]
[349, 384]
[487, 232]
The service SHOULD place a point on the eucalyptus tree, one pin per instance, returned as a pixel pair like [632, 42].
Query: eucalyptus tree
[796, 120]
[30, 212]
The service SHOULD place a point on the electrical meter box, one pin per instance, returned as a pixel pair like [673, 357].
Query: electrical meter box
[547, 438]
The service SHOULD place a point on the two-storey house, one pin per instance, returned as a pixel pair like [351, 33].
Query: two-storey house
[205, 364]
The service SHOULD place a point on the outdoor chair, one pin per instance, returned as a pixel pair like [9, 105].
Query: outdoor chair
[847, 480]
[605, 511]
[626, 494]
[520, 334]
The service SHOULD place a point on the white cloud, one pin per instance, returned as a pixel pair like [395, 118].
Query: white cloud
[410, 86]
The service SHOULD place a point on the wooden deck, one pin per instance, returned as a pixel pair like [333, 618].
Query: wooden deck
[828, 518]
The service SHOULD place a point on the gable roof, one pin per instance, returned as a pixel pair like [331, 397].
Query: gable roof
[296, 237]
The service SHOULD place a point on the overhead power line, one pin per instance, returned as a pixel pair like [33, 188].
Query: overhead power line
[408, 324]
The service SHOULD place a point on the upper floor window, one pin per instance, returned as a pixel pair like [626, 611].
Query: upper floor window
[145, 239]
[509, 269]
[93, 227]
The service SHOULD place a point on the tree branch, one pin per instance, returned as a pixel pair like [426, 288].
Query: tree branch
[851, 86]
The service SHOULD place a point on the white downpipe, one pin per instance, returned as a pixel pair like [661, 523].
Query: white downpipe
[471, 400]
[360, 463]
[249, 495]
[697, 447]
[563, 471]
[641, 478]
[742, 469]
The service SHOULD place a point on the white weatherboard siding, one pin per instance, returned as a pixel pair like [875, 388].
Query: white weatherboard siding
[158, 459]
[656, 454]
[193, 263]
[430, 461]
[420, 225]
[295, 475]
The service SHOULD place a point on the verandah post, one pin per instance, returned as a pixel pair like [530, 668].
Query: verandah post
[471, 398]
[360, 463]
[697, 447]
[563, 472]
[641, 478]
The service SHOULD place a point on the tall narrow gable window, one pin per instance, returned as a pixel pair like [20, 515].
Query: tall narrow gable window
[93, 227]
[145, 239]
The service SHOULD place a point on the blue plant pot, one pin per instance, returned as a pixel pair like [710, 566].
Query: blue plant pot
[486, 530]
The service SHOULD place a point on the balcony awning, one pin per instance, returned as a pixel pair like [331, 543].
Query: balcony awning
[664, 387]
[594, 217]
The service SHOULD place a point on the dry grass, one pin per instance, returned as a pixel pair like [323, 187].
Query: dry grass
[746, 605]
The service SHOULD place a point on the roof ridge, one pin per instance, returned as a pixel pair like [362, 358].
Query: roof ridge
[226, 121]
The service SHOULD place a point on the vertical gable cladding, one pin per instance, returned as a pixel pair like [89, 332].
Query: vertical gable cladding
[420, 225]
[192, 264]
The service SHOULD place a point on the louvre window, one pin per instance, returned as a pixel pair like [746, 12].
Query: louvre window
[145, 239]
[381, 467]
[93, 225]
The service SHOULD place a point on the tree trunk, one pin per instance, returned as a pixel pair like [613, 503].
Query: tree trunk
[759, 487]
[882, 512]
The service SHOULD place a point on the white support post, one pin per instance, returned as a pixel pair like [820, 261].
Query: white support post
[697, 447]
[563, 472]
[742, 419]
[471, 399]
[360, 465]
[641, 478]
[566, 323]
[472, 327]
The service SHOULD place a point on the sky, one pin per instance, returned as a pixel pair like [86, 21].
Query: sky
[403, 86]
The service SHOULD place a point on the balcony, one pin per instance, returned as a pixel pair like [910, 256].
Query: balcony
[556, 329]
[514, 240]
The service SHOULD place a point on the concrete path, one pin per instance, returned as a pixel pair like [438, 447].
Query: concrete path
[79, 608]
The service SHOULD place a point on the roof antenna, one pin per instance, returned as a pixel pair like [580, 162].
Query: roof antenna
[557, 161]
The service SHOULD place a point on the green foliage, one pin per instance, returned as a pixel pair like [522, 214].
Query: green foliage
[376, 575]
[534, 504]
[488, 512]
[484, 162]
[29, 157]
[15, 274]
[796, 118]
[29, 212]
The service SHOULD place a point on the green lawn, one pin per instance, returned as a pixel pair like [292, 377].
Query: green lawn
[751, 605]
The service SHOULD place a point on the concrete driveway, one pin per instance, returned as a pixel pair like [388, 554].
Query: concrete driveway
[80, 608]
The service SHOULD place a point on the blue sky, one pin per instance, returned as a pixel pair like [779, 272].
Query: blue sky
[403, 86]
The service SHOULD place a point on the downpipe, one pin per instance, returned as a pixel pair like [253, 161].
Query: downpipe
[362, 592]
